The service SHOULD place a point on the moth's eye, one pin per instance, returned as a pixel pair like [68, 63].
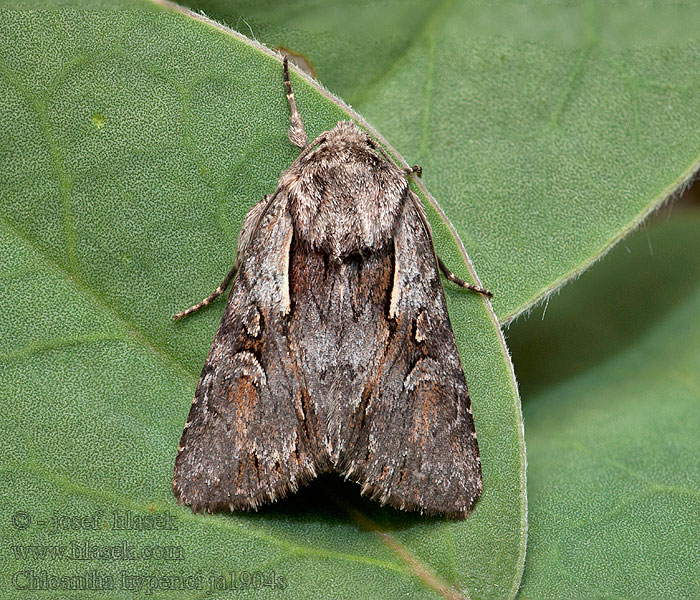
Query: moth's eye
[370, 143]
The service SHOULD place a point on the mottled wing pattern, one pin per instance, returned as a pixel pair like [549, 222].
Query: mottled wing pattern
[250, 436]
[338, 334]
[413, 443]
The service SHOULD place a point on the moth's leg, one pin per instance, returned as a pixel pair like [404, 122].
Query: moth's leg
[414, 169]
[211, 297]
[460, 282]
[297, 134]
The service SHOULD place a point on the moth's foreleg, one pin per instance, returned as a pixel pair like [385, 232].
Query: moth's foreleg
[297, 134]
[211, 297]
[414, 169]
[460, 282]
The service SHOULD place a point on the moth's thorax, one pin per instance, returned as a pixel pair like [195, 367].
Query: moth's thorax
[344, 196]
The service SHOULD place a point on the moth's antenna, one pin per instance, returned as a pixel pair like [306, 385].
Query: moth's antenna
[297, 134]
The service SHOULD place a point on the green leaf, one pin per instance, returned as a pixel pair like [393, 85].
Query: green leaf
[133, 141]
[612, 381]
[547, 131]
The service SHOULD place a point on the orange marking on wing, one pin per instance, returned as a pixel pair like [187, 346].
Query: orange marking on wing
[244, 395]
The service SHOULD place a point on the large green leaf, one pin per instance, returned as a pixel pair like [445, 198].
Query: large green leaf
[611, 378]
[547, 130]
[133, 141]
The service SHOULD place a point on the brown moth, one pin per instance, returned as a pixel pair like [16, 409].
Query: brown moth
[335, 351]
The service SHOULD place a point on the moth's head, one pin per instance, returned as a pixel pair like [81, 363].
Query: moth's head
[348, 131]
[348, 143]
[345, 161]
[344, 193]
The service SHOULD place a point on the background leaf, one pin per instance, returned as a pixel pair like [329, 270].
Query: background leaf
[612, 381]
[133, 141]
[547, 131]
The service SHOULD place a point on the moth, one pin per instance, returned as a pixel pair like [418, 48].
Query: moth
[335, 350]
